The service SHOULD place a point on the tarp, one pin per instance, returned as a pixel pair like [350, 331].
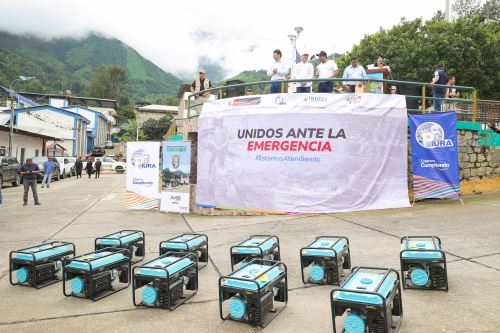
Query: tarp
[303, 153]
[435, 155]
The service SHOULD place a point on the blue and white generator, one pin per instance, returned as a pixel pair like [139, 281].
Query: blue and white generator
[193, 243]
[369, 300]
[39, 266]
[257, 246]
[324, 260]
[423, 263]
[255, 293]
[132, 240]
[167, 281]
[97, 274]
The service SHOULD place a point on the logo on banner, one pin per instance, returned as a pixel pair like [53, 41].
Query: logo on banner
[354, 99]
[244, 101]
[431, 135]
[176, 161]
[316, 99]
[141, 160]
[280, 100]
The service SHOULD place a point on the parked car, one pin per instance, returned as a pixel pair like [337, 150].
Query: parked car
[110, 164]
[65, 165]
[9, 171]
[109, 144]
[39, 160]
[98, 151]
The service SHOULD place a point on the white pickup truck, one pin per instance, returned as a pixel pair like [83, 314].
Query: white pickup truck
[110, 164]
[66, 166]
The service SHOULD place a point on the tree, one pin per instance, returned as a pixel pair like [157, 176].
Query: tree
[124, 113]
[155, 129]
[128, 131]
[468, 48]
[110, 81]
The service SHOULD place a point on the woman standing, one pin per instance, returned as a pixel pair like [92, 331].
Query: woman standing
[79, 167]
[89, 167]
[380, 64]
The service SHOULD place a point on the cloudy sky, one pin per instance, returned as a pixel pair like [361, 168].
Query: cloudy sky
[239, 35]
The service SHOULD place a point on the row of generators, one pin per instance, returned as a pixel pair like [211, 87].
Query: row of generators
[256, 291]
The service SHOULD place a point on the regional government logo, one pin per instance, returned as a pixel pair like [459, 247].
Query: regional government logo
[176, 161]
[431, 135]
[141, 159]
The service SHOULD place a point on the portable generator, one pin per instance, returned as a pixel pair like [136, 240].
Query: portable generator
[257, 246]
[324, 260]
[97, 274]
[255, 293]
[39, 266]
[194, 243]
[370, 301]
[132, 240]
[167, 281]
[423, 263]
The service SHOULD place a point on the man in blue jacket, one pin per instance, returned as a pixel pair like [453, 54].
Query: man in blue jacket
[438, 93]
[48, 169]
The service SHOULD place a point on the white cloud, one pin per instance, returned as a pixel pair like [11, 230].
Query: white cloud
[168, 32]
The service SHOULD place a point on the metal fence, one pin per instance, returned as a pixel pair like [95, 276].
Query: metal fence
[418, 95]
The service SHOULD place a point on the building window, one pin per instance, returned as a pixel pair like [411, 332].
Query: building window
[23, 152]
[36, 153]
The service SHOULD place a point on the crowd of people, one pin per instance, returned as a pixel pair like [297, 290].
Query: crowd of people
[30, 171]
[327, 69]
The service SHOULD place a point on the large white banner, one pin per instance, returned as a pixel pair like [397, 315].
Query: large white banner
[304, 153]
[143, 159]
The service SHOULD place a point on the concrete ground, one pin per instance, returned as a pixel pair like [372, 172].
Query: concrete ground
[80, 210]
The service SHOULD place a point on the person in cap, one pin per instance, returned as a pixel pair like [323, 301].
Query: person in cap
[394, 90]
[277, 71]
[354, 71]
[200, 84]
[326, 69]
[304, 70]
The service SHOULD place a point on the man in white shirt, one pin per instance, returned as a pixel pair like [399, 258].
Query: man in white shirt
[326, 69]
[277, 71]
[304, 70]
[354, 71]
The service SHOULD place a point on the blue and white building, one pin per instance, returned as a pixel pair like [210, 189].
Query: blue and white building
[98, 128]
[70, 127]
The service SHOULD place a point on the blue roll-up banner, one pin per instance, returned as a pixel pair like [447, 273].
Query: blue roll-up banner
[435, 155]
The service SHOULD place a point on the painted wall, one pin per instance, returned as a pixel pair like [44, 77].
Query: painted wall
[32, 146]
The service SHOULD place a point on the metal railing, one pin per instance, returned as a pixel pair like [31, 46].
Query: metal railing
[418, 95]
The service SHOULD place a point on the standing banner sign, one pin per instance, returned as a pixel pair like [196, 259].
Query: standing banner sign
[435, 155]
[303, 153]
[142, 175]
[175, 176]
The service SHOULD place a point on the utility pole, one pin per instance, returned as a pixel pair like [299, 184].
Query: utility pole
[11, 92]
[447, 10]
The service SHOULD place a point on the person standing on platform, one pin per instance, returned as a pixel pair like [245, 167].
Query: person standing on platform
[79, 167]
[89, 167]
[394, 90]
[201, 83]
[277, 71]
[29, 171]
[354, 71]
[48, 169]
[327, 69]
[438, 93]
[304, 70]
[97, 166]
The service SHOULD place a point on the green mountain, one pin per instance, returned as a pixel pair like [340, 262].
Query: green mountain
[62, 64]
